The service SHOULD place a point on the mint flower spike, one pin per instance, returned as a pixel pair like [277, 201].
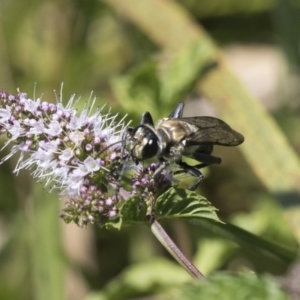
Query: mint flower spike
[84, 155]
[74, 152]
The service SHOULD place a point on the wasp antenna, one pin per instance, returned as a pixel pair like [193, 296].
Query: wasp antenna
[177, 112]
[146, 119]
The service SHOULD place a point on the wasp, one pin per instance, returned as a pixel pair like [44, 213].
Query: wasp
[176, 137]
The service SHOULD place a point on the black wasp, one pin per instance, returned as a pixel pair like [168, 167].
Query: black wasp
[174, 137]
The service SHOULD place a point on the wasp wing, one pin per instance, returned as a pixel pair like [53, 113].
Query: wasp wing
[209, 130]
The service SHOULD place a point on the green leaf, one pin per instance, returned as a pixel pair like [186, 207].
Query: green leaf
[156, 86]
[249, 241]
[184, 70]
[138, 90]
[228, 286]
[148, 277]
[132, 212]
[175, 203]
[180, 203]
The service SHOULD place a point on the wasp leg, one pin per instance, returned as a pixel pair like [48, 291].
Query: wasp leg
[199, 166]
[177, 112]
[206, 160]
[192, 170]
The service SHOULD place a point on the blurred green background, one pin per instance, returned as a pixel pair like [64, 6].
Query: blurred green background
[136, 56]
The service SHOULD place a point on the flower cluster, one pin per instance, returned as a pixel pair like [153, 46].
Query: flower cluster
[74, 152]
[143, 180]
[81, 154]
[90, 206]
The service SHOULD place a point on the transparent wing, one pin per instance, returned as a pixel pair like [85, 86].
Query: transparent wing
[211, 130]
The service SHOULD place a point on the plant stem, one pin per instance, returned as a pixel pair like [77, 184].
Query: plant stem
[166, 241]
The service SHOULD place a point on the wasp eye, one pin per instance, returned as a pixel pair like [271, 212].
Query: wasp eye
[150, 149]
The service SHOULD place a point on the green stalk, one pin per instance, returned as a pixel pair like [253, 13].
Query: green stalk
[171, 247]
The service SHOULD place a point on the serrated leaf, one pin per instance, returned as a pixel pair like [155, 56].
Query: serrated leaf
[173, 204]
[180, 203]
[132, 212]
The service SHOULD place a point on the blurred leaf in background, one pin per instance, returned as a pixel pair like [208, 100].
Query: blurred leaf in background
[91, 46]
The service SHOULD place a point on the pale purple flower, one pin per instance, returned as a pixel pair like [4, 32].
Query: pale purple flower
[66, 154]
[77, 137]
[75, 123]
[88, 147]
[30, 105]
[112, 213]
[38, 127]
[54, 128]
[15, 129]
[5, 114]
[91, 164]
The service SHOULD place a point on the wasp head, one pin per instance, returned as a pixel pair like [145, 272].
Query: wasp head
[145, 143]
